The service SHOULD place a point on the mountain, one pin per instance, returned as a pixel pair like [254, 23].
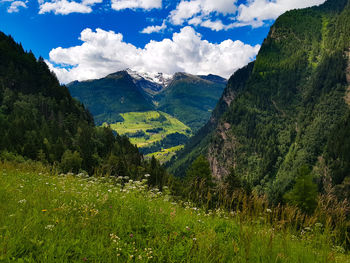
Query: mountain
[107, 97]
[288, 109]
[191, 98]
[187, 97]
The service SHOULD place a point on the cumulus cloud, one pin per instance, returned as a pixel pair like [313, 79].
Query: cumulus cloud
[154, 29]
[256, 11]
[200, 12]
[103, 52]
[136, 4]
[15, 5]
[65, 7]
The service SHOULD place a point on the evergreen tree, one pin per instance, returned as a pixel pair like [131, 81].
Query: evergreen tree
[304, 193]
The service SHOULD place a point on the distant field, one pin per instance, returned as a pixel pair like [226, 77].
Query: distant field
[145, 128]
[165, 155]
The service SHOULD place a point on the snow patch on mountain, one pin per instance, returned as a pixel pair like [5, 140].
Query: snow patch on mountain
[157, 78]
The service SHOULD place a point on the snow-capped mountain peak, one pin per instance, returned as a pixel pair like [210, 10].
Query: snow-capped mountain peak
[157, 78]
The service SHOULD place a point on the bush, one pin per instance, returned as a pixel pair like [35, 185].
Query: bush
[304, 193]
[71, 162]
[9, 156]
[199, 180]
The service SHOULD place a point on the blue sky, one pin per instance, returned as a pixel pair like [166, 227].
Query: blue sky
[82, 39]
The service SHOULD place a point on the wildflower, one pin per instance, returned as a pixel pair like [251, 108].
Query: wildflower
[44, 210]
[140, 257]
[49, 227]
[187, 228]
[131, 235]
[131, 256]
[319, 225]
[22, 201]
[147, 175]
[84, 259]
[268, 210]
[194, 239]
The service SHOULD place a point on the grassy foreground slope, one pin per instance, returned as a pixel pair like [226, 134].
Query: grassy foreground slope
[46, 217]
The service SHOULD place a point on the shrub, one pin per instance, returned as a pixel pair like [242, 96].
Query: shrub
[71, 162]
[304, 192]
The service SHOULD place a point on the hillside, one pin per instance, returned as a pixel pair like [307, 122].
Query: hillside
[287, 109]
[71, 218]
[106, 98]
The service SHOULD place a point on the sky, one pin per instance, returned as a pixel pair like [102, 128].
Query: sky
[88, 39]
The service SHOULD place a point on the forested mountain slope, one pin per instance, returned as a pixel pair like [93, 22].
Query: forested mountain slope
[288, 109]
[190, 98]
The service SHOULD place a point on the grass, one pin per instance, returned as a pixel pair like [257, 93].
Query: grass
[136, 121]
[50, 217]
[164, 155]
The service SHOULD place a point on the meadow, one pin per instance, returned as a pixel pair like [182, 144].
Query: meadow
[149, 120]
[165, 155]
[51, 217]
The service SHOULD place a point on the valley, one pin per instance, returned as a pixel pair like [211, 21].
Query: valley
[125, 101]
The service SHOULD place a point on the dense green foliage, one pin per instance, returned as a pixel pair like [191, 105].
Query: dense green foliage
[92, 219]
[290, 110]
[199, 181]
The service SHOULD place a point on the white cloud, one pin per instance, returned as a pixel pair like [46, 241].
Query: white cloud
[256, 11]
[213, 25]
[64, 7]
[15, 5]
[154, 29]
[199, 12]
[103, 52]
[135, 4]
[184, 11]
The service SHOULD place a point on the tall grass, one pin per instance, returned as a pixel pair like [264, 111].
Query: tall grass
[51, 217]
